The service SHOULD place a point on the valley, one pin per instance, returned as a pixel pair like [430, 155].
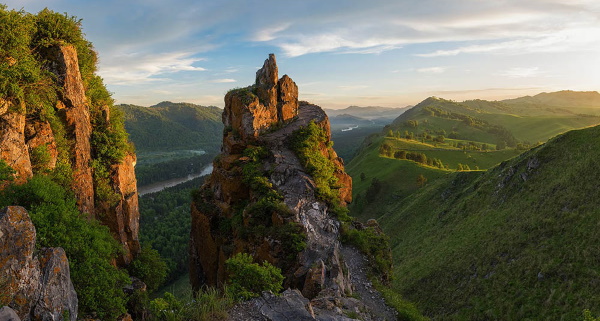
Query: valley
[480, 202]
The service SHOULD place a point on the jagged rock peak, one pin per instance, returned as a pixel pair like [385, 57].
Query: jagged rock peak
[233, 200]
[253, 110]
[268, 74]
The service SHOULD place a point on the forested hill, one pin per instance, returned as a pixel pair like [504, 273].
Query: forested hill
[517, 242]
[171, 126]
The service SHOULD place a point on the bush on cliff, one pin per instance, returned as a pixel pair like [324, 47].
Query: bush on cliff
[89, 246]
[248, 280]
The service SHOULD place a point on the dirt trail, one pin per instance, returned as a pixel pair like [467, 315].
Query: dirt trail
[357, 265]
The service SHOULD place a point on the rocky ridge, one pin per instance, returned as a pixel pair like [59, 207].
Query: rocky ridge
[227, 216]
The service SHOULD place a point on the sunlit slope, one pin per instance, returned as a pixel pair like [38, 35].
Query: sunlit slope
[517, 242]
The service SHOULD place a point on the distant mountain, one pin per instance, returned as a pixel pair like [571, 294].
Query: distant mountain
[565, 98]
[171, 126]
[370, 112]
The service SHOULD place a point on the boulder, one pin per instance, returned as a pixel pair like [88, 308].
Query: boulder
[8, 314]
[36, 288]
[58, 299]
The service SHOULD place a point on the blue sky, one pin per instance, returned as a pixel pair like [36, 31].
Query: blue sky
[340, 52]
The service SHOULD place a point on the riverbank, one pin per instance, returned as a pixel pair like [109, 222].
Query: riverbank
[159, 186]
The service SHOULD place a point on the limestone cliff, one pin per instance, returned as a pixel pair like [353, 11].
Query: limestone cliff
[28, 144]
[299, 234]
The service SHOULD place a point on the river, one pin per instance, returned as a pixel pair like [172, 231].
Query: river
[159, 186]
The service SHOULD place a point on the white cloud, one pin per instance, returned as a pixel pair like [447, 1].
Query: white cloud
[489, 25]
[224, 80]
[137, 68]
[432, 70]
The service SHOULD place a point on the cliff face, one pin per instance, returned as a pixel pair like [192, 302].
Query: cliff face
[229, 213]
[28, 144]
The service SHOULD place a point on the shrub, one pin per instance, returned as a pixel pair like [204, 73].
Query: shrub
[88, 245]
[247, 280]
[6, 172]
[149, 267]
[375, 244]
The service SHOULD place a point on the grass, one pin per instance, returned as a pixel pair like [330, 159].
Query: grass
[493, 245]
[452, 156]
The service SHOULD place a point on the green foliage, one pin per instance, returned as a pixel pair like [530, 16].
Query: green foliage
[248, 280]
[307, 143]
[174, 126]
[6, 172]
[587, 316]
[149, 267]
[407, 311]
[165, 224]
[375, 244]
[89, 246]
[40, 158]
[515, 242]
[258, 215]
[208, 304]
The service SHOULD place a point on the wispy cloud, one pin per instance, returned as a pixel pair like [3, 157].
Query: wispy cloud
[432, 70]
[223, 80]
[137, 68]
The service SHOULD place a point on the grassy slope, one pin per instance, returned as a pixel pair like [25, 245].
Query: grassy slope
[399, 177]
[491, 245]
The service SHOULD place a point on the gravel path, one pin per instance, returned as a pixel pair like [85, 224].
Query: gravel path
[357, 265]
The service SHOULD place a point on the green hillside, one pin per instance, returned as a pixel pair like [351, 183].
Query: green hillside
[517, 242]
[173, 126]
[451, 136]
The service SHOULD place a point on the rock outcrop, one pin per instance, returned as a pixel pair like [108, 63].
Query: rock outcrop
[73, 105]
[13, 149]
[36, 287]
[28, 144]
[229, 214]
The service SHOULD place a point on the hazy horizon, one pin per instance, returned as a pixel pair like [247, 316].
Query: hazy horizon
[380, 53]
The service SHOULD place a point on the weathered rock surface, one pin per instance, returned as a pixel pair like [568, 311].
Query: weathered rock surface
[267, 114]
[38, 134]
[19, 271]
[36, 288]
[123, 218]
[247, 116]
[77, 115]
[21, 136]
[8, 314]
[57, 293]
[12, 140]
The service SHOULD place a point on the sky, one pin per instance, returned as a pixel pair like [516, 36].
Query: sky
[389, 53]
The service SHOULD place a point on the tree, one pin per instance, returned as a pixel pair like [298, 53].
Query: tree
[149, 267]
[363, 177]
[421, 180]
